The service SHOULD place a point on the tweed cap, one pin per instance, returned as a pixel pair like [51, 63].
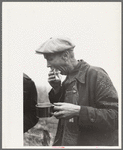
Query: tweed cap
[55, 44]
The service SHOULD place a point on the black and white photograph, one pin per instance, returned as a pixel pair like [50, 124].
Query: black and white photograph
[61, 75]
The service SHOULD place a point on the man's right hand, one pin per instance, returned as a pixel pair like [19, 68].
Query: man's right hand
[54, 81]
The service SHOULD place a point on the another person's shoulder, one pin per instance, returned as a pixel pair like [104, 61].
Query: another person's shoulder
[28, 82]
[29, 85]
[26, 77]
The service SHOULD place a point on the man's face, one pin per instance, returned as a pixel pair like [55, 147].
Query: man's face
[55, 61]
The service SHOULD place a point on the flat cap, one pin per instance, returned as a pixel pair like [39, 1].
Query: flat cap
[55, 44]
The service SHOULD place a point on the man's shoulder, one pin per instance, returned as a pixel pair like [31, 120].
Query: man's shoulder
[90, 68]
[96, 69]
[97, 73]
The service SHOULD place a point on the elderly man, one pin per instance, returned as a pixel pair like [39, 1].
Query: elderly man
[86, 102]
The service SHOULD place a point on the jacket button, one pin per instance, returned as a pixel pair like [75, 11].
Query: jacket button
[74, 91]
[92, 119]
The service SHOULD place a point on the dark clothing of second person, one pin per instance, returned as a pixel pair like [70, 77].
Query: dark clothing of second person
[97, 124]
[30, 100]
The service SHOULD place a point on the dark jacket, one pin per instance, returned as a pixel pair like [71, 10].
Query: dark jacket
[97, 124]
[30, 100]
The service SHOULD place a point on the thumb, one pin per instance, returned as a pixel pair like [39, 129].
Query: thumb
[58, 104]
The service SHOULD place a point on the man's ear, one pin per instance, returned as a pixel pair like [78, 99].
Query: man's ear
[65, 55]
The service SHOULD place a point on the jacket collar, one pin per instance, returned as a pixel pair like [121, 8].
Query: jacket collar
[82, 71]
[79, 72]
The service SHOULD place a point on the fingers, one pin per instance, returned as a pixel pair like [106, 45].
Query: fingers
[51, 77]
[54, 71]
[51, 73]
[57, 108]
[59, 104]
[54, 75]
[58, 111]
[54, 81]
[58, 114]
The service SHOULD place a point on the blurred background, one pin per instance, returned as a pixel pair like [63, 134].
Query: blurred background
[94, 27]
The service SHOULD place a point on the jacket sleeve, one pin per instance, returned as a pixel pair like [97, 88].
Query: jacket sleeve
[30, 99]
[105, 114]
[56, 97]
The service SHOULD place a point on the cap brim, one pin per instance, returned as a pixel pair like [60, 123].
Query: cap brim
[38, 52]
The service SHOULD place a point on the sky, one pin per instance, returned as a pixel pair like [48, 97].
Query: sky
[94, 27]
